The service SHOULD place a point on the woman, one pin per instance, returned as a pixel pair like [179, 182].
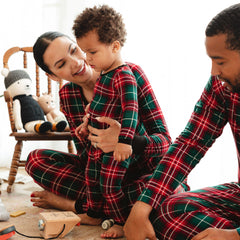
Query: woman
[62, 174]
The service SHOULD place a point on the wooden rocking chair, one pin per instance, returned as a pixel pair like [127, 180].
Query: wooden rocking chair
[28, 136]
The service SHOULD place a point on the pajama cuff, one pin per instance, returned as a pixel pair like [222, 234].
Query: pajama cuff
[94, 214]
[78, 206]
[120, 224]
[139, 144]
[238, 230]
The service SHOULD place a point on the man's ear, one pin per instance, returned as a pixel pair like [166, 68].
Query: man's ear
[53, 77]
[116, 46]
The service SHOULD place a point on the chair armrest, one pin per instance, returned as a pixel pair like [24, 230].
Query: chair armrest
[7, 96]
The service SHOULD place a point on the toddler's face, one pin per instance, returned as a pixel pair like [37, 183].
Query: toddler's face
[100, 56]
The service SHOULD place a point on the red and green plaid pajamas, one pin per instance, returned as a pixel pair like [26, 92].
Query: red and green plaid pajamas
[63, 173]
[115, 96]
[183, 216]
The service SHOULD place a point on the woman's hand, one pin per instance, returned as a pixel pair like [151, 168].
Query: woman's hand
[105, 139]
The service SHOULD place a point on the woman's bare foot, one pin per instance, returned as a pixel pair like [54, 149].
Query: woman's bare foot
[85, 219]
[116, 231]
[46, 199]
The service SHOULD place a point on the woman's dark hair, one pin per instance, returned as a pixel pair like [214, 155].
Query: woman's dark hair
[227, 22]
[41, 45]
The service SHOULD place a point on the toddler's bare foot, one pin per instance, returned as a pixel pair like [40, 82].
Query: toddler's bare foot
[116, 231]
[85, 219]
[46, 199]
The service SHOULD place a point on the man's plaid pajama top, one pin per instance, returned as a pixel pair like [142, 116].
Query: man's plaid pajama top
[216, 107]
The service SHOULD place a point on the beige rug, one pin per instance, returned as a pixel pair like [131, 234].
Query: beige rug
[19, 200]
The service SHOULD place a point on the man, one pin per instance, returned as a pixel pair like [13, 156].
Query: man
[214, 212]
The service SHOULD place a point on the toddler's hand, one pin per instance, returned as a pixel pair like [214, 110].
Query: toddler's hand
[82, 130]
[122, 151]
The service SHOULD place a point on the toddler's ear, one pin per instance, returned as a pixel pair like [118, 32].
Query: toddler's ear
[116, 46]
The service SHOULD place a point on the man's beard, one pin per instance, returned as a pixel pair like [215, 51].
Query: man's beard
[236, 86]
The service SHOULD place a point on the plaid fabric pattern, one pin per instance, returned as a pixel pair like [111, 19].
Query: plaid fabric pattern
[151, 117]
[73, 104]
[63, 174]
[116, 97]
[216, 106]
[58, 172]
[182, 216]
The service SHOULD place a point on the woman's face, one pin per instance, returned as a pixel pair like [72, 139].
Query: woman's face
[67, 61]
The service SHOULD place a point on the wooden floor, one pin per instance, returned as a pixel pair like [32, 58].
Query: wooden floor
[27, 224]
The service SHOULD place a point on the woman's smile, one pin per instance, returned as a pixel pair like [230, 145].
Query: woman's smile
[81, 70]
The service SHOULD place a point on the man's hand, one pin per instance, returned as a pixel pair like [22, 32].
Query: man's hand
[122, 152]
[105, 139]
[217, 234]
[138, 225]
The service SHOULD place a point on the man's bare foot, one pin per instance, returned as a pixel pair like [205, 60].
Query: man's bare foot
[46, 199]
[116, 231]
[85, 219]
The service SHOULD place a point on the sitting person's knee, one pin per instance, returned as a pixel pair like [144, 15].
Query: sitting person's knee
[181, 203]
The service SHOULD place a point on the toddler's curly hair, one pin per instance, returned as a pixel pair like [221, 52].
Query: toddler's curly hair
[107, 23]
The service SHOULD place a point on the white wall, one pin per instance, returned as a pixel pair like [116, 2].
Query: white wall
[166, 38]
[22, 21]
[19, 19]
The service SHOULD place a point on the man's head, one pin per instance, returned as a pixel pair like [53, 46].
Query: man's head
[227, 22]
[223, 46]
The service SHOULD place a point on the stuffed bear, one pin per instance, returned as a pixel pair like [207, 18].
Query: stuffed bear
[27, 112]
[55, 116]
